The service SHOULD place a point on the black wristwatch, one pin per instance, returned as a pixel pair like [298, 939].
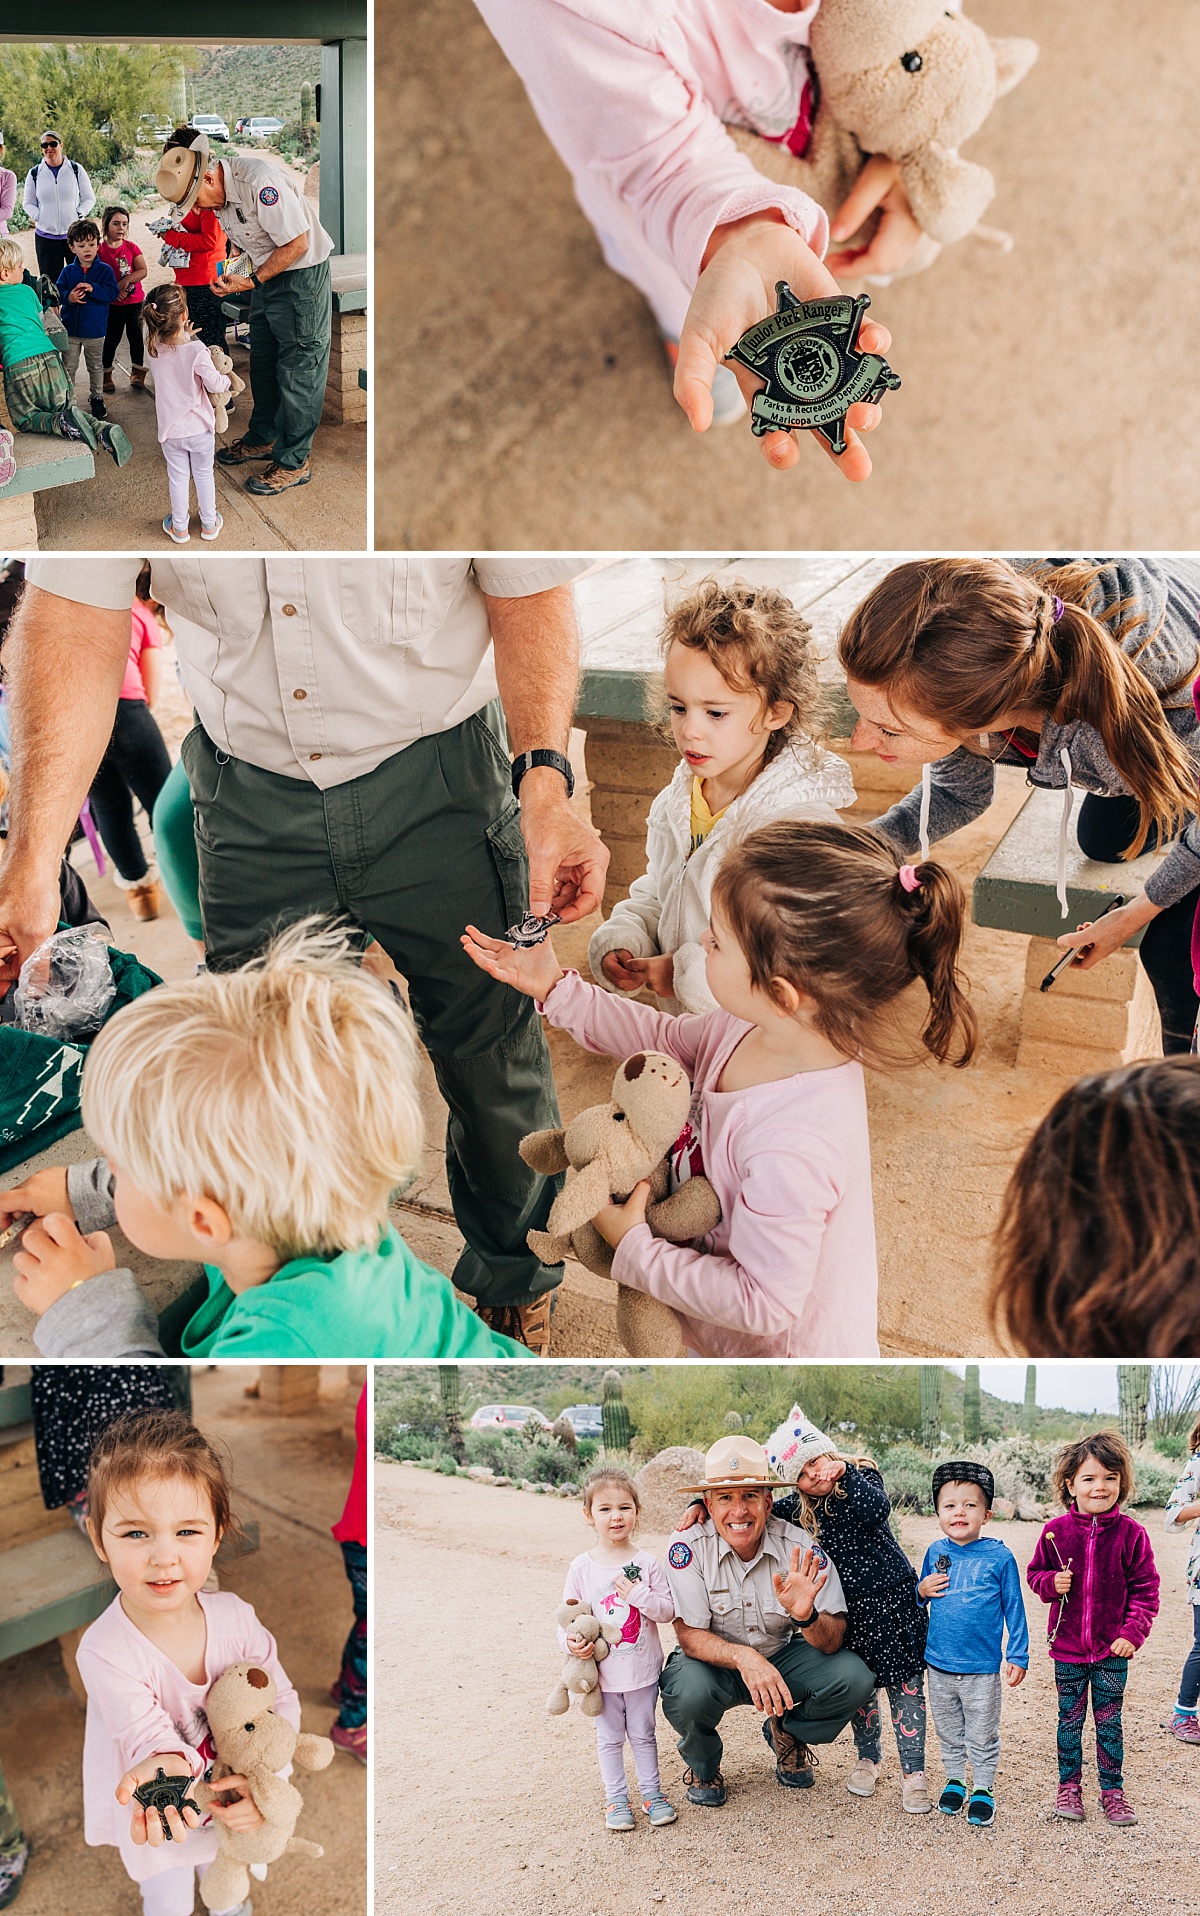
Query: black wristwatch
[807, 1622]
[254, 279]
[528, 760]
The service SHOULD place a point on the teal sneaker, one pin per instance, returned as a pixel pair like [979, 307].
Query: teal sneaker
[981, 1810]
[659, 1810]
[618, 1815]
[953, 1797]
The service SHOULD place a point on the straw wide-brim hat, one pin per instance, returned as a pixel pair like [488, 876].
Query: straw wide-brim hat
[736, 1463]
[181, 173]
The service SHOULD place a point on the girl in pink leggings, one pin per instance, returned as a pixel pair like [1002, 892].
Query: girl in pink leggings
[626, 1588]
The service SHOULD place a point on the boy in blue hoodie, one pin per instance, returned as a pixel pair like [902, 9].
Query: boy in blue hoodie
[88, 288]
[973, 1588]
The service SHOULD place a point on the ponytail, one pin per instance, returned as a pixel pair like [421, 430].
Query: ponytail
[830, 910]
[965, 642]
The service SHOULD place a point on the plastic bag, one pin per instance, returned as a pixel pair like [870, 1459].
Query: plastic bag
[66, 986]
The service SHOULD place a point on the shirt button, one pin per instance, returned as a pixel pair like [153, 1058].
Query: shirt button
[289, 611]
[299, 695]
[314, 756]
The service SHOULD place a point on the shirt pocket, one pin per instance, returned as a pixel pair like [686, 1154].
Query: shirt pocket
[226, 601]
[384, 602]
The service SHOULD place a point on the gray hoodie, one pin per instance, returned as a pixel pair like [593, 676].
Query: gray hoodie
[1165, 596]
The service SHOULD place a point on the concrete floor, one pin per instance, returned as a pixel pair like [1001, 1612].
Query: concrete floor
[123, 509]
[299, 1468]
[1047, 404]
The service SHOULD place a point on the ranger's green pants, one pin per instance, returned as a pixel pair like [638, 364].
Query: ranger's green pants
[411, 852]
[291, 322]
[826, 1691]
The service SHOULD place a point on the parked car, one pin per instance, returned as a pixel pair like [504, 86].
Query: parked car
[261, 127]
[585, 1420]
[507, 1417]
[212, 124]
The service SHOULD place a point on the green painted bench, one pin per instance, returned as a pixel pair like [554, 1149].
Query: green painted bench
[43, 462]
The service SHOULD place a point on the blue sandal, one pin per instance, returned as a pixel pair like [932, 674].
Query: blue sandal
[981, 1810]
[953, 1797]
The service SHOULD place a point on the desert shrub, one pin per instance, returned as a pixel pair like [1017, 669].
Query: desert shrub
[906, 1475]
[446, 1465]
[587, 1450]
[407, 1447]
[1171, 1443]
[1154, 1478]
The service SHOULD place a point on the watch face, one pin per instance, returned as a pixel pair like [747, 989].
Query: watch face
[531, 930]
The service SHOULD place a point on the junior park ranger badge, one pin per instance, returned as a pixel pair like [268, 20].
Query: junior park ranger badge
[808, 354]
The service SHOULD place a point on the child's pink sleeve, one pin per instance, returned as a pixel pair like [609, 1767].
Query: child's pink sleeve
[617, 1026]
[653, 1595]
[132, 1715]
[1141, 1603]
[761, 1283]
[209, 377]
[574, 1591]
[8, 192]
[1042, 1569]
[614, 105]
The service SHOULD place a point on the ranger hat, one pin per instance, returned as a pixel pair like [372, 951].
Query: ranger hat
[181, 172]
[736, 1463]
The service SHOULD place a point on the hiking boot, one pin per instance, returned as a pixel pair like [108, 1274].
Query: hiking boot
[114, 441]
[97, 407]
[1115, 1807]
[12, 1869]
[793, 1761]
[1069, 1801]
[1184, 1725]
[109, 382]
[659, 1810]
[981, 1810]
[145, 900]
[240, 453]
[863, 1777]
[953, 1797]
[914, 1799]
[618, 1815]
[527, 1324]
[137, 379]
[706, 1792]
[279, 479]
[352, 1741]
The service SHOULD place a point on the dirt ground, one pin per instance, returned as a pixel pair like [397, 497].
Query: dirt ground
[943, 1142]
[120, 509]
[292, 1476]
[499, 1794]
[522, 399]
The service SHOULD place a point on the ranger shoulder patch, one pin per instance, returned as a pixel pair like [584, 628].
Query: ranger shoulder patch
[269, 196]
[679, 1556]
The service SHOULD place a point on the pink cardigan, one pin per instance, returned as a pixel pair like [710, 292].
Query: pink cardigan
[140, 1704]
[790, 1270]
[636, 1659]
[634, 94]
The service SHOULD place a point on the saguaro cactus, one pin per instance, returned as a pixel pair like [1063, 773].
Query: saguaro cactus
[306, 114]
[971, 1405]
[451, 1416]
[931, 1406]
[1029, 1407]
[1133, 1401]
[614, 1414]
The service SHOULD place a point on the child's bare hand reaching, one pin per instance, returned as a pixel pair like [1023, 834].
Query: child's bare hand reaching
[534, 969]
[45, 1191]
[54, 1257]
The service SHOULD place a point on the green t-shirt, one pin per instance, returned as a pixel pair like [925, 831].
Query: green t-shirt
[363, 1304]
[21, 331]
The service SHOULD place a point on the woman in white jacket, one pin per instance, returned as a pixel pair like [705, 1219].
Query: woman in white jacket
[57, 193]
[742, 690]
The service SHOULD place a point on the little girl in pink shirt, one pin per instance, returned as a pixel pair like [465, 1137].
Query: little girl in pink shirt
[184, 375]
[159, 1504]
[815, 932]
[627, 1589]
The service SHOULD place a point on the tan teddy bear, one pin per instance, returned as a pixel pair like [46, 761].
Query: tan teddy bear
[605, 1152]
[221, 401]
[580, 1676]
[253, 1742]
[912, 81]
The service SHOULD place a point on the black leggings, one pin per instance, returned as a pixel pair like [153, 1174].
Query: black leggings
[127, 320]
[136, 763]
[204, 311]
[1105, 827]
[52, 254]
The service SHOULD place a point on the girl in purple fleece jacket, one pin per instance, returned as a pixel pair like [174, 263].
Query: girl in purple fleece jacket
[1095, 1568]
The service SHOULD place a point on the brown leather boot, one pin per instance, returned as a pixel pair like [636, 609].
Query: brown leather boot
[527, 1324]
[137, 379]
[145, 900]
[109, 387]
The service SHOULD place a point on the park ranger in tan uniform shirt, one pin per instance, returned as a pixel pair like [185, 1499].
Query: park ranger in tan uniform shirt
[350, 757]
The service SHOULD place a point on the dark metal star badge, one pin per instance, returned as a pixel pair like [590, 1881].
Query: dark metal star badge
[808, 354]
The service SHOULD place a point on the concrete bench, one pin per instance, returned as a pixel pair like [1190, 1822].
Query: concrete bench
[1088, 1020]
[42, 462]
[620, 611]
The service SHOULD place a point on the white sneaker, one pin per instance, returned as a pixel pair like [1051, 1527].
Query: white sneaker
[211, 532]
[863, 1777]
[176, 538]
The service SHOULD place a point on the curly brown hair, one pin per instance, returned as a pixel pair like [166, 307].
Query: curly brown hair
[1108, 1447]
[758, 642]
[1097, 1252]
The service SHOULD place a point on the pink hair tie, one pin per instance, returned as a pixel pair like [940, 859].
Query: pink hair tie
[908, 878]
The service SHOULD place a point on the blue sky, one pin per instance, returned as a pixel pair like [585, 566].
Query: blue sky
[1075, 1385]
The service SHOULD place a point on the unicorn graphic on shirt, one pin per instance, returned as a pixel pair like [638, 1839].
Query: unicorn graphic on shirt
[631, 1622]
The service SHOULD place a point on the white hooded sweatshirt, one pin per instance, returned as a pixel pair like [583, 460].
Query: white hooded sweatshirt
[667, 909]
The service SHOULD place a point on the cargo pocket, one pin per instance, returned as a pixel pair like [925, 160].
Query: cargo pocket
[510, 862]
